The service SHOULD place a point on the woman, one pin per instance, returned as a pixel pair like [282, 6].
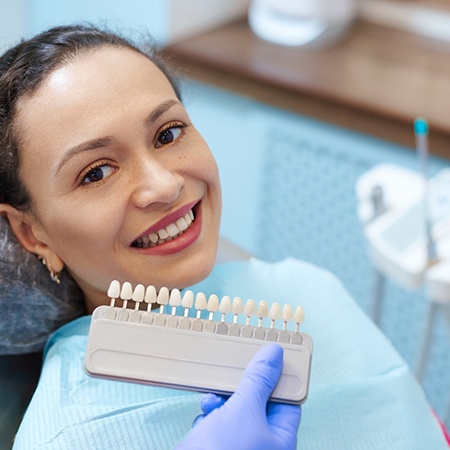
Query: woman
[104, 176]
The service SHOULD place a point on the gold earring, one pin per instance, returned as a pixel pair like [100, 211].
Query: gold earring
[54, 276]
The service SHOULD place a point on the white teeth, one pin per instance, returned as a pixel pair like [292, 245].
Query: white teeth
[181, 224]
[163, 234]
[166, 234]
[172, 230]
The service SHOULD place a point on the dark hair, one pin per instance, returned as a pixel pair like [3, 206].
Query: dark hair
[22, 70]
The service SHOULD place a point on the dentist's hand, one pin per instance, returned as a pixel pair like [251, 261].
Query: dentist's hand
[246, 421]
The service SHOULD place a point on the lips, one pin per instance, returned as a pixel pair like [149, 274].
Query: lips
[173, 233]
[169, 232]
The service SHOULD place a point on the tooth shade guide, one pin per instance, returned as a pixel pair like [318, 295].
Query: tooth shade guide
[209, 326]
[274, 314]
[259, 333]
[222, 328]
[225, 306]
[212, 305]
[286, 315]
[299, 317]
[284, 337]
[114, 289]
[126, 293]
[271, 335]
[247, 331]
[122, 314]
[125, 351]
[196, 303]
[163, 298]
[175, 300]
[110, 313]
[184, 323]
[147, 318]
[234, 330]
[187, 302]
[113, 292]
[172, 321]
[150, 297]
[138, 296]
[134, 316]
[199, 306]
[249, 310]
[236, 308]
[261, 312]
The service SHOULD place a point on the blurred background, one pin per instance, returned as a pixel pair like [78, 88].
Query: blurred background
[299, 100]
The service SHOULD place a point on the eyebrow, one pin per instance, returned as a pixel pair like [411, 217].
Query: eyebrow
[84, 147]
[160, 110]
[108, 140]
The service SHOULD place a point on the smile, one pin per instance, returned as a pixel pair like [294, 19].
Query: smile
[167, 233]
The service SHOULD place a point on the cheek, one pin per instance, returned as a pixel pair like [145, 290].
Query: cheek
[213, 180]
[202, 160]
[81, 231]
[207, 170]
[88, 246]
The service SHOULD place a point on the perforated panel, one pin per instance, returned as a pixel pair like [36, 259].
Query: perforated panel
[309, 210]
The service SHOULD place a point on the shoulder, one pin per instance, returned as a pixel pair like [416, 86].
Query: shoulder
[287, 281]
[74, 331]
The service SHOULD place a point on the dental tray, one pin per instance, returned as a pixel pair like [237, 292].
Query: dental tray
[194, 353]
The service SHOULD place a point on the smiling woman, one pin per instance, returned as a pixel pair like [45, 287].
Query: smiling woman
[120, 163]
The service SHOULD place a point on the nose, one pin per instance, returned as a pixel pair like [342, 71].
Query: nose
[156, 184]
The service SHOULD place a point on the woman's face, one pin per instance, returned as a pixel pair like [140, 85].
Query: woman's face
[116, 172]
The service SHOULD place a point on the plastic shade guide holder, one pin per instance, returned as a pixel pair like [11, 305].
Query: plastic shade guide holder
[157, 346]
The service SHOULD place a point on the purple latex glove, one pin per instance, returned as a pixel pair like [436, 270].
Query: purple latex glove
[246, 421]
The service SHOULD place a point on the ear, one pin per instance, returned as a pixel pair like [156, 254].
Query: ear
[24, 227]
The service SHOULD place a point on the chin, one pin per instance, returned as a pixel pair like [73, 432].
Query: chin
[194, 270]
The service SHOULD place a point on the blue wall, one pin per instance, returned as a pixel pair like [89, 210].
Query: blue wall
[130, 14]
[27, 17]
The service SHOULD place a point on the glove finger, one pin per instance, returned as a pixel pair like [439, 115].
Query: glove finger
[261, 375]
[198, 419]
[209, 402]
[284, 417]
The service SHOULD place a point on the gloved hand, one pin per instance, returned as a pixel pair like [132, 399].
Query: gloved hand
[246, 421]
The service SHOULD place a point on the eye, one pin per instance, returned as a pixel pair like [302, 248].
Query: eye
[97, 173]
[169, 134]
